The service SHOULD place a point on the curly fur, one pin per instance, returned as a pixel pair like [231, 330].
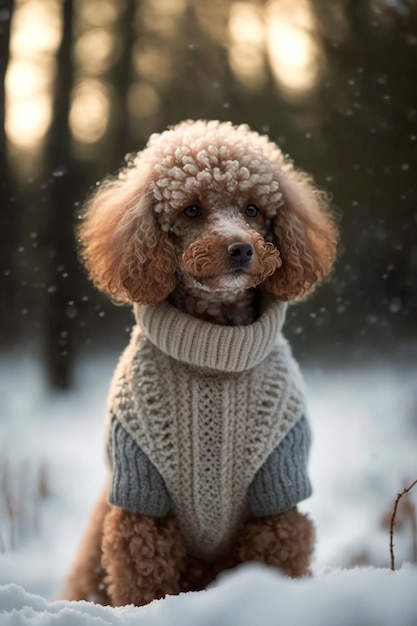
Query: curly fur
[86, 580]
[139, 244]
[142, 556]
[133, 232]
[285, 541]
[208, 257]
[124, 251]
[143, 559]
[306, 236]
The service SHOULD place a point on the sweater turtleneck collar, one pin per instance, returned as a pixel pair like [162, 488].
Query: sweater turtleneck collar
[203, 344]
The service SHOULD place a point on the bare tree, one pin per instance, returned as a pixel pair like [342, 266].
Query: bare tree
[63, 182]
[8, 215]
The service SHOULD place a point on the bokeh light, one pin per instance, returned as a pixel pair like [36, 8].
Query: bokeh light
[292, 47]
[247, 44]
[35, 37]
[90, 110]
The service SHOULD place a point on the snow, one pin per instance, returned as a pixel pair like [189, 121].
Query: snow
[364, 452]
[251, 595]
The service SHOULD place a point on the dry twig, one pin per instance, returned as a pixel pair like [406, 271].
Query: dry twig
[23, 488]
[392, 523]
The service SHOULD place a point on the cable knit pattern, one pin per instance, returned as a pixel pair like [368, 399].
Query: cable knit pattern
[207, 404]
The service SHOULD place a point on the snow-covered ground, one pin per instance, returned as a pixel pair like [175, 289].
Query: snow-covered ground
[253, 596]
[364, 424]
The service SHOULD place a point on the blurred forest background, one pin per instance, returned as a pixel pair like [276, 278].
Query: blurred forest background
[83, 82]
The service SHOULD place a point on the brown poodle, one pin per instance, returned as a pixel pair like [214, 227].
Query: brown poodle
[209, 231]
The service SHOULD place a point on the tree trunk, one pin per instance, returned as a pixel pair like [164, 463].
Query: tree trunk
[8, 214]
[63, 182]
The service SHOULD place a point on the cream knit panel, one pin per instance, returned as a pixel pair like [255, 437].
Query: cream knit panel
[216, 509]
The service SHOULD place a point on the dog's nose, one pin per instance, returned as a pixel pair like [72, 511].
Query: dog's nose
[240, 252]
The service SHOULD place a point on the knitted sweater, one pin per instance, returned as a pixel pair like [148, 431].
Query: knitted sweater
[201, 418]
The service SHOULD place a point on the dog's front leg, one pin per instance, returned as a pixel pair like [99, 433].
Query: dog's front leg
[285, 541]
[85, 581]
[143, 557]
[279, 534]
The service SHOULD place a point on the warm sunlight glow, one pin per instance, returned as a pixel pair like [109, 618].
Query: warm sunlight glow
[292, 48]
[28, 121]
[161, 16]
[90, 110]
[25, 78]
[97, 12]
[29, 113]
[96, 51]
[36, 28]
[247, 47]
[152, 63]
[246, 24]
[35, 36]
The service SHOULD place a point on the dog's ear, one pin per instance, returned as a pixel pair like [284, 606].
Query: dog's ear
[124, 250]
[306, 236]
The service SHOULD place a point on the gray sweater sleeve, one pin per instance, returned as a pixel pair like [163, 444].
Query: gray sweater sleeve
[282, 481]
[136, 485]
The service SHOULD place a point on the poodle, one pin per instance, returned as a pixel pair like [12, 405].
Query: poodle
[209, 233]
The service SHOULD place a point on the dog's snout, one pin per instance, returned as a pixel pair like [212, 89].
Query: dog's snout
[240, 252]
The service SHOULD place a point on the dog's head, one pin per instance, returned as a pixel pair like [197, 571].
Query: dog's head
[215, 203]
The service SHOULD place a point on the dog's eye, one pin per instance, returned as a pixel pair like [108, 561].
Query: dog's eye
[193, 210]
[251, 210]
